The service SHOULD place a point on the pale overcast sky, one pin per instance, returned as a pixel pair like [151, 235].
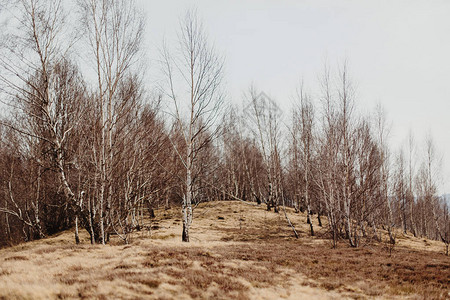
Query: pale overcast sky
[398, 53]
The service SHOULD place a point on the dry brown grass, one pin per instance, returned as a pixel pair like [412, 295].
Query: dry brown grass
[247, 253]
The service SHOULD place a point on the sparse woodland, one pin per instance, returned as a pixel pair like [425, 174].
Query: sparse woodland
[87, 143]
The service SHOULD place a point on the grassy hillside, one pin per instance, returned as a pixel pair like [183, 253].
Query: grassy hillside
[238, 251]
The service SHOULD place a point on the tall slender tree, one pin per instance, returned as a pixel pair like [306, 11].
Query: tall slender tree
[193, 82]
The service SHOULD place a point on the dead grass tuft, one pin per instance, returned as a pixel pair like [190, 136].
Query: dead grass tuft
[4, 272]
[151, 283]
[76, 268]
[125, 266]
[164, 236]
[329, 286]
[17, 257]
[71, 280]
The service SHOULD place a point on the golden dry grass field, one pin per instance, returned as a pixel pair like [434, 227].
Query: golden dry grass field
[238, 251]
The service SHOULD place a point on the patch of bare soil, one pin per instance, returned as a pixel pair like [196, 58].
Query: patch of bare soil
[238, 251]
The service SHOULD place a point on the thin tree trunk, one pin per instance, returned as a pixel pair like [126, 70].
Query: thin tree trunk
[287, 218]
[187, 201]
[35, 206]
[413, 226]
[7, 227]
[91, 216]
[77, 237]
[318, 217]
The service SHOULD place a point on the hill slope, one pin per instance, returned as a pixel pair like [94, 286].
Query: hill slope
[238, 251]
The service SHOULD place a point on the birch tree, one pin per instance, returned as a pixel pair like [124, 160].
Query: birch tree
[327, 176]
[410, 189]
[426, 184]
[347, 150]
[441, 215]
[263, 119]
[304, 122]
[113, 31]
[193, 83]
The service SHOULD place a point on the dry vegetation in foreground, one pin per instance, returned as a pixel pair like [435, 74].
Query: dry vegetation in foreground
[238, 252]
